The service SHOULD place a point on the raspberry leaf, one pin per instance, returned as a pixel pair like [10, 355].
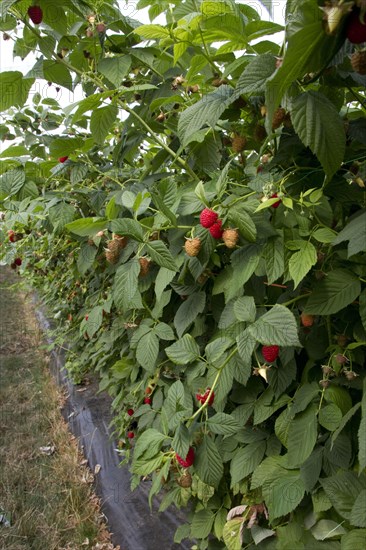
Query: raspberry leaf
[276, 327]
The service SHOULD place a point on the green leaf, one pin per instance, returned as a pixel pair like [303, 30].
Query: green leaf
[128, 228]
[317, 123]
[327, 529]
[149, 442]
[14, 89]
[14, 151]
[307, 50]
[159, 253]
[125, 284]
[222, 424]
[188, 311]
[302, 261]
[11, 182]
[232, 534]
[164, 332]
[274, 258]
[206, 112]
[215, 349]
[300, 447]
[256, 74]
[244, 309]
[355, 233]
[181, 439]
[78, 173]
[358, 512]
[311, 468]
[208, 462]
[354, 539]
[276, 327]
[324, 235]
[245, 460]
[64, 146]
[95, 320]
[86, 227]
[147, 351]
[163, 278]
[362, 431]
[342, 490]
[152, 31]
[57, 73]
[86, 258]
[284, 493]
[344, 421]
[183, 351]
[241, 219]
[339, 289]
[101, 121]
[61, 214]
[202, 523]
[115, 68]
[304, 395]
[246, 344]
[330, 417]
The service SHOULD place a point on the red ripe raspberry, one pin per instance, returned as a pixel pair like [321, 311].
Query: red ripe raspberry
[355, 30]
[18, 261]
[130, 435]
[148, 400]
[203, 397]
[270, 353]
[208, 217]
[63, 159]
[35, 14]
[188, 460]
[86, 317]
[275, 204]
[216, 230]
[130, 412]
[12, 236]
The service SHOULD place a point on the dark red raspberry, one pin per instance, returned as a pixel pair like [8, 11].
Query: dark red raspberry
[356, 30]
[275, 204]
[130, 435]
[18, 261]
[188, 460]
[203, 397]
[148, 400]
[270, 353]
[208, 217]
[63, 159]
[35, 14]
[216, 230]
[130, 412]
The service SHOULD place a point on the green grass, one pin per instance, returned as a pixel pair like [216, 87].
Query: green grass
[48, 499]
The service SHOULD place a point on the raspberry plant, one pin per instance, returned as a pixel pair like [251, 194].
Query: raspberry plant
[100, 196]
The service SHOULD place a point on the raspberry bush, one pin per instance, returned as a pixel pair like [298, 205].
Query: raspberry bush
[102, 200]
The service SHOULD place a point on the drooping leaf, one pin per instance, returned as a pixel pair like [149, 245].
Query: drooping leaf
[101, 121]
[300, 447]
[115, 68]
[208, 462]
[276, 327]
[335, 292]
[183, 351]
[188, 311]
[319, 127]
[355, 233]
[14, 89]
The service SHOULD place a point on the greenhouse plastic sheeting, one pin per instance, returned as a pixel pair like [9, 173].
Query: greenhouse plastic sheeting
[132, 524]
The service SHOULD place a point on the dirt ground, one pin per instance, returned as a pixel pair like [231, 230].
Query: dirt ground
[46, 490]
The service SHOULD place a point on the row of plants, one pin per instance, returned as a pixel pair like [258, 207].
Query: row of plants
[196, 224]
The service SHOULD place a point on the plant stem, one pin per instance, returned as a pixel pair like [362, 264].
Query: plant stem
[217, 378]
